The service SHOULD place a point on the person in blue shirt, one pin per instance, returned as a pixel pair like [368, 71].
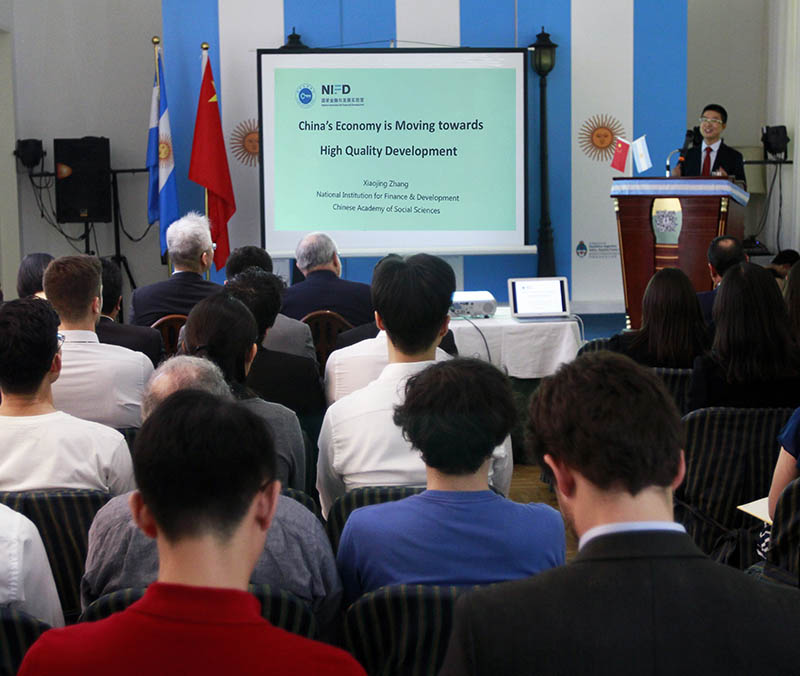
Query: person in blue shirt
[457, 531]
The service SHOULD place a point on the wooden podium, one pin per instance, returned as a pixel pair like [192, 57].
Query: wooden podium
[669, 222]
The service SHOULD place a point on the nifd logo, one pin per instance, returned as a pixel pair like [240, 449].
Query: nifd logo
[305, 95]
[333, 89]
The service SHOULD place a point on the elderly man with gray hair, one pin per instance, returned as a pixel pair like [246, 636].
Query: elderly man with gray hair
[298, 558]
[323, 287]
[192, 252]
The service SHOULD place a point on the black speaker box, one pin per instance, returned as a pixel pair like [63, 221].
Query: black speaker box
[83, 179]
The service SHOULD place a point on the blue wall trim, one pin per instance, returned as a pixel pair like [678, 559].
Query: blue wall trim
[659, 77]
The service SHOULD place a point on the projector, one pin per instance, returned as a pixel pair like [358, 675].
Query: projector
[473, 304]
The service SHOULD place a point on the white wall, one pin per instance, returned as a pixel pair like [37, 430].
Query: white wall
[85, 68]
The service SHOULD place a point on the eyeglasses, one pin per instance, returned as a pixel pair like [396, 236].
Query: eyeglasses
[712, 120]
[60, 338]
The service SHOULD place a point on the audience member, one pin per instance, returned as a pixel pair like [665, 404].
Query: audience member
[210, 531]
[26, 581]
[222, 329]
[138, 338]
[30, 273]
[286, 334]
[639, 597]
[41, 446]
[298, 559]
[673, 332]
[356, 364]
[276, 376]
[103, 383]
[723, 253]
[457, 532]
[791, 294]
[359, 444]
[191, 252]
[754, 360]
[323, 288]
[783, 261]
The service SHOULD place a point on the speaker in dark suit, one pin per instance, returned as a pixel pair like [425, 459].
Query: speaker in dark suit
[639, 597]
[713, 121]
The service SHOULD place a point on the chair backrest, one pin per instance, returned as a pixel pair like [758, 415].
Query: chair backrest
[361, 497]
[170, 328]
[19, 632]
[282, 608]
[784, 542]
[730, 455]
[304, 499]
[593, 345]
[325, 326]
[402, 629]
[678, 382]
[63, 518]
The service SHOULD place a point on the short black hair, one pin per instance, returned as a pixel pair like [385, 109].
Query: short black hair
[199, 460]
[112, 285]
[244, 257]
[717, 109]
[786, 257]
[610, 419]
[28, 343]
[261, 292]
[456, 412]
[413, 296]
[724, 252]
[30, 273]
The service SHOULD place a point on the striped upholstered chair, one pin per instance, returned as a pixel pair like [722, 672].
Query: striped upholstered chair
[730, 455]
[18, 632]
[401, 629]
[282, 608]
[361, 497]
[593, 345]
[63, 518]
[678, 382]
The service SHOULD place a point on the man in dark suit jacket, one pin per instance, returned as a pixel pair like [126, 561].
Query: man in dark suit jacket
[191, 250]
[640, 597]
[323, 287]
[723, 160]
[139, 338]
[723, 253]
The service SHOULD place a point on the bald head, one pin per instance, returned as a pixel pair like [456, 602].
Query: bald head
[183, 373]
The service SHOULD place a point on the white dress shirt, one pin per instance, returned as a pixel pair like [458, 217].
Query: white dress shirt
[26, 581]
[57, 450]
[355, 366]
[627, 527]
[99, 382]
[359, 444]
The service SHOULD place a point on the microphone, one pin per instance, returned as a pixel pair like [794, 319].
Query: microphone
[687, 141]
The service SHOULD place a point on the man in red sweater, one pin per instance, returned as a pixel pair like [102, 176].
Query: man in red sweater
[204, 467]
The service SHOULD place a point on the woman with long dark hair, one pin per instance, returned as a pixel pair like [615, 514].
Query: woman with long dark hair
[673, 333]
[791, 294]
[30, 273]
[754, 361]
[223, 330]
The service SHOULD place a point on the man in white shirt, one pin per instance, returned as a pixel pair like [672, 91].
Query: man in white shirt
[359, 444]
[640, 597]
[99, 382]
[26, 581]
[41, 447]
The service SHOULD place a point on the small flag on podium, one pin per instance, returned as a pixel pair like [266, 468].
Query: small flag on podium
[621, 149]
[641, 155]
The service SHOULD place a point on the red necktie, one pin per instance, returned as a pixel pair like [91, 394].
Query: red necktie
[707, 163]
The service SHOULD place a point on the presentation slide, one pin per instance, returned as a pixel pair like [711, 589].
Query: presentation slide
[394, 149]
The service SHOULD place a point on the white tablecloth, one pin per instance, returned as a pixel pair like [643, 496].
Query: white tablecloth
[524, 349]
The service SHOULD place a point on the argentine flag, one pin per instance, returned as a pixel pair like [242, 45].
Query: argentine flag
[162, 195]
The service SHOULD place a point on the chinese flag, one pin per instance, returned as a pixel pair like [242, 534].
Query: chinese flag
[209, 165]
[621, 150]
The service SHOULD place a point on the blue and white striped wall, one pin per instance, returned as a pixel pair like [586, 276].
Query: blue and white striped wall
[623, 58]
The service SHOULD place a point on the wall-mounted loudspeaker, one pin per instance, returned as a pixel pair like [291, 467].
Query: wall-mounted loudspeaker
[83, 179]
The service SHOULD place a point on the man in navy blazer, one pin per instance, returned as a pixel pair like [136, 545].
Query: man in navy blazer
[723, 253]
[723, 160]
[191, 250]
[639, 597]
[323, 287]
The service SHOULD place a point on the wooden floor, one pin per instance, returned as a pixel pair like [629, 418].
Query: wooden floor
[527, 487]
